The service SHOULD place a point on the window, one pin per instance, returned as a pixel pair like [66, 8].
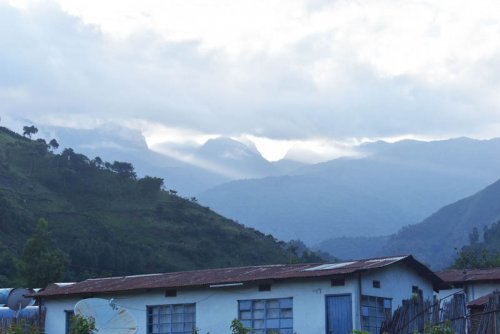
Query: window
[171, 319]
[338, 282]
[264, 287]
[171, 293]
[374, 310]
[68, 315]
[263, 316]
[376, 284]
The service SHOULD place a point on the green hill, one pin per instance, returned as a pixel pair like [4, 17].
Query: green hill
[437, 239]
[110, 222]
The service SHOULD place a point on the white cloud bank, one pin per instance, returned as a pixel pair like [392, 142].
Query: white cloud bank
[295, 71]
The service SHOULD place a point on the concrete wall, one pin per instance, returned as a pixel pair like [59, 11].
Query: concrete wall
[479, 289]
[216, 307]
[472, 290]
[396, 282]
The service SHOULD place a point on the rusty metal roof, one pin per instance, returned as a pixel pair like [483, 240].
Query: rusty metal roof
[460, 276]
[208, 277]
[480, 302]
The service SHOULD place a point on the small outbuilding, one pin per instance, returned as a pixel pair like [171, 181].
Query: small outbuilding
[475, 283]
[331, 298]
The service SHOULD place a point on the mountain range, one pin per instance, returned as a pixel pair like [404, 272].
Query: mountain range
[390, 186]
[218, 161]
[369, 204]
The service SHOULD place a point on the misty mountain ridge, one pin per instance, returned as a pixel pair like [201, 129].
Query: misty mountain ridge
[235, 159]
[217, 161]
[393, 186]
[447, 230]
[388, 186]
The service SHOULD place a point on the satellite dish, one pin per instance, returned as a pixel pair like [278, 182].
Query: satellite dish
[109, 318]
[16, 300]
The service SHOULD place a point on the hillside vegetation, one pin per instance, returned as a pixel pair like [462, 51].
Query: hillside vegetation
[446, 231]
[108, 221]
[481, 252]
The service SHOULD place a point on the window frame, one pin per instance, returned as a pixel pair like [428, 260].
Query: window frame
[281, 319]
[67, 319]
[375, 318]
[150, 322]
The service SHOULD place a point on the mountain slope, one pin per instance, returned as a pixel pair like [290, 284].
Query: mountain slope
[109, 222]
[234, 159]
[118, 143]
[397, 185]
[436, 239]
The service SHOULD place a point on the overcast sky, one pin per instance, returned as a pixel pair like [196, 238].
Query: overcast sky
[312, 74]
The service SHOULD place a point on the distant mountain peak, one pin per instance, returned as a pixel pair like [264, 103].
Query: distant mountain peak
[228, 148]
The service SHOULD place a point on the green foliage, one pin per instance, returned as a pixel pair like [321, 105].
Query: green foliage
[298, 252]
[9, 269]
[54, 144]
[82, 325]
[22, 327]
[237, 327]
[124, 169]
[110, 223]
[358, 331]
[481, 254]
[438, 329]
[29, 130]
[41, 261]
[150, 186]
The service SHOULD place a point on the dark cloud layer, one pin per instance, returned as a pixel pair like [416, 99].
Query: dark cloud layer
[52, 66]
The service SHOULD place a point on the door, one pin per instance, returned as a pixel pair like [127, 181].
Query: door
[339, 314]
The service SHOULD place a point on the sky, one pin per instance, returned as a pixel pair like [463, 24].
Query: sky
[307, 77]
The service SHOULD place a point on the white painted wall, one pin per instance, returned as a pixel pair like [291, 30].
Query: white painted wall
[446, 294]
[216, 307]
[476, 290]
[396, 282]
[472, 290]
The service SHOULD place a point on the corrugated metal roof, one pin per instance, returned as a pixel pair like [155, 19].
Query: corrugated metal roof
[469, 275]
[205, 278]
[481, 301]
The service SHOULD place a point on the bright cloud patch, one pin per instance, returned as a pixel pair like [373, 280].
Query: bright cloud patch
[295, 73]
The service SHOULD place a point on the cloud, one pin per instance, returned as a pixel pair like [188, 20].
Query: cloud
[289, 71]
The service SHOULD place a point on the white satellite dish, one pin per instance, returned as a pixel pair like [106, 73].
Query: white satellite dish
[16, 300]
[109, 318]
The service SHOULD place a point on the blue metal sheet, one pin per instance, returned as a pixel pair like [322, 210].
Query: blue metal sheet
[339, 314]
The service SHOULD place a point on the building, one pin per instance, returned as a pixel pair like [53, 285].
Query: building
[475, 283]
[296, 298]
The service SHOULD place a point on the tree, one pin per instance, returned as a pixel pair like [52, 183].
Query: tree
[481, 254]
[41, 261]
[29, 130]
[150, 186]
[238, 328]
[124, 169]
[54, 144]
[82, 325]
[98, 162]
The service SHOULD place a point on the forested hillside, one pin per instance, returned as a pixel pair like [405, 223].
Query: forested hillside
[437, 239]
[108, 221]
[482, 252]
